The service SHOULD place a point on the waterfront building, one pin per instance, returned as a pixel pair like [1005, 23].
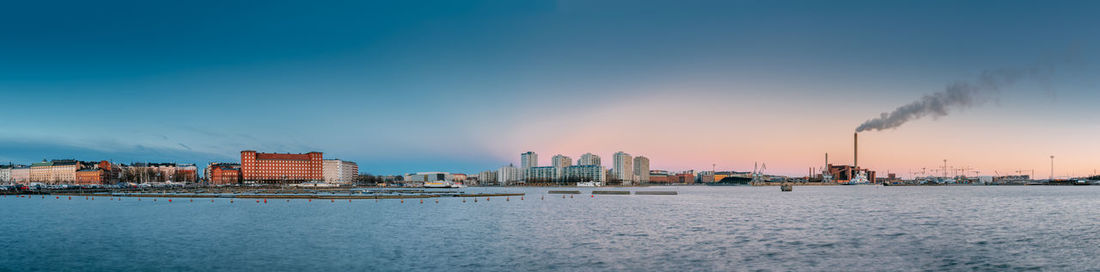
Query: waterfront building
[5, 173]
[488, 177]
[561, 161]
[659, 176]
[705, 176]
[528, 159]
[685, 177]
[21, 174]
[339, 171]
[90, 176]
[458, 177]
[55, 171]
[641, 170]
[542, 174]
[279, 168]
[223, 173]
[169, 172]
[508, 175]
[185, 173]
[145, 172]
[584, 173]
[589, 159]
[419, 178]
[623, 169]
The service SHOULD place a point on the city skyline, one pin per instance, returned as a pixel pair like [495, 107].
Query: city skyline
[464, 87]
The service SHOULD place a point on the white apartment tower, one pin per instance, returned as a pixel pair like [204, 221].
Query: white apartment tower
[528, 159]
[508, 175]
[561, 161]
[624, 168]
[589, 159]
[641, 170]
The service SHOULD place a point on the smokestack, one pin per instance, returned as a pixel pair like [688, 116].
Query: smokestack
[855, 157]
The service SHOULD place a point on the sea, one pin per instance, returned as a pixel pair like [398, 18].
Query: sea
[813, 228]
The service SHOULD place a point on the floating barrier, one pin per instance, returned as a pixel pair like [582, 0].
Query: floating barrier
[610, 192]
[564, 192]
[655, 193]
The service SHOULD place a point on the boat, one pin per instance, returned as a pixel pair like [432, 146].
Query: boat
[588, 184]
[860, 178]
[439, 184]
[732, 181]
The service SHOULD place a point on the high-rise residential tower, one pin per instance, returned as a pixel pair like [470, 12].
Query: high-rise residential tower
[589, 159]
[561, 161]
[528, 159]
[641, 170]
[623, 169]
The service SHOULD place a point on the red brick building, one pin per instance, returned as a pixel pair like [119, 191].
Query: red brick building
[90, 176]
[682, 178]
[224, 173]
[278, 168]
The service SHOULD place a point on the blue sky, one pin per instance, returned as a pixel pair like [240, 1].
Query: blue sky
[465, 86]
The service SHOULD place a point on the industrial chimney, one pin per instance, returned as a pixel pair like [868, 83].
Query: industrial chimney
[855, 156]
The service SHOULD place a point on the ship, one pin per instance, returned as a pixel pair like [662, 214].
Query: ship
[443, 184]
[860, 178]
[732, 181]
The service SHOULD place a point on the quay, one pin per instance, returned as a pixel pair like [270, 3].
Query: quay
[264, 193]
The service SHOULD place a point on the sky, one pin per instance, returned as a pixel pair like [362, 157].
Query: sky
[466, 86]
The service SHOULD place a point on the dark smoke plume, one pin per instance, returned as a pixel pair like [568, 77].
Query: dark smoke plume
[958, 95]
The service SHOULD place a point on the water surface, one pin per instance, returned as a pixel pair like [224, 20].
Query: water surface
[839, 228]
